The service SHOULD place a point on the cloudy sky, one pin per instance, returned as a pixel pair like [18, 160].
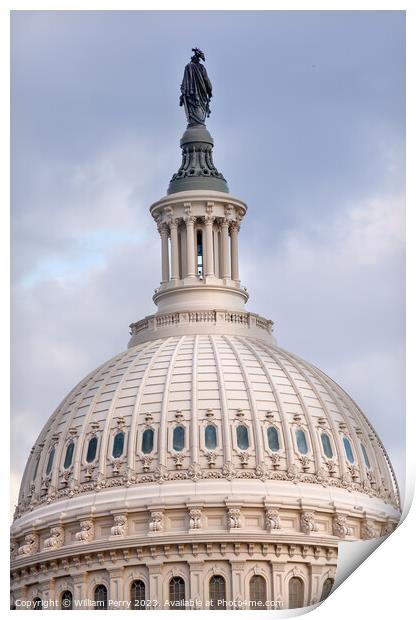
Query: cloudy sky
[308, 121]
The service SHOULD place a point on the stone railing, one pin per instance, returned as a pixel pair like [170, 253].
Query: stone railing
[207, 320]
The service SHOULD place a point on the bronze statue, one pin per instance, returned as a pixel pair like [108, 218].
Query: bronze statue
[196, 90]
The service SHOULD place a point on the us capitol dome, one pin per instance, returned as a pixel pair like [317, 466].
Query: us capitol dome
[203, 467]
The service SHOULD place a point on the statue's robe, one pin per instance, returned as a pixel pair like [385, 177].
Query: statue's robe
[196, 90]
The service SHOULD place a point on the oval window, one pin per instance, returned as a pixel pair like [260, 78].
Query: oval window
[211, 437]
[242, 437]
[301, 441]
[118, 445]
[273, 438]
[178, 439]
[326, 444]
[147, 440]
[68, 455]
[92, 449]
[50, 461]
[365, 455]
[348, 449]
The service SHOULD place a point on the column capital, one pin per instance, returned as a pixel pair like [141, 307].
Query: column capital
[162, 228]
[173, 222]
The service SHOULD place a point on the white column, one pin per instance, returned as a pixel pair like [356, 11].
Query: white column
[155, 585]
[196, 583]
[278, 571]
[174, 249]
[163, 230]
[80, 589]
[209, 257]
[237, 583]
[190, 246]
[225, 250]
[116, 587]
[234, 251]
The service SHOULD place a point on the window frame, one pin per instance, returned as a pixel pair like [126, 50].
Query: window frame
[326, 434]
[295, 432]
[171, 594]
[218, 595]
[97, 449]
[96, 600]
[242, 424]
[142, 433]
[345, 439]
[71, 442]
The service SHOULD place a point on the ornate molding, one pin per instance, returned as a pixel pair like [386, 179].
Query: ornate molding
[86, 533]
[120, 525]
[56, 538]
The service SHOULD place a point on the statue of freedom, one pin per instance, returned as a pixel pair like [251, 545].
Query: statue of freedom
[196, 90]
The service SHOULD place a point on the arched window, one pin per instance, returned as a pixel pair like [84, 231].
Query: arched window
[199, 252]
[147, 440]
[296, 593]
[100, 597]
[301, 441]
[92, 449]
[138, 595]
[66, 600]
[37, 603]
[50, 461]
[365, 455]
[258, 592]
[177, 593]
[326, 588]
[326, 444]
[242, 437]
[118, 445]
[68, 455]
[348, 449]
[217, 592]
[273, 438]
[210, 437]
[178, 438]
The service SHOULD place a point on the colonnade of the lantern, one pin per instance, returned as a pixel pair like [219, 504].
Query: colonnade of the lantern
[219, 255]
[199, 252]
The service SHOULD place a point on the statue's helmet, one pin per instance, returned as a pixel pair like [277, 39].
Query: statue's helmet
[199, 53]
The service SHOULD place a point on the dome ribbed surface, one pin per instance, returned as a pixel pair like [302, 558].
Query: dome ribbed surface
[194, 381]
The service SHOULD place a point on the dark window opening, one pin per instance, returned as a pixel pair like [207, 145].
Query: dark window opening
[258, 594]
[177, 593]
[66, 600]
[217, 598]
[118, 445]
[242, 437]
[199, 253]
[147, 441]
[100, 597]
[50, 461]
[138, 595]
[69, 454]
[273, 438]
[211, 437]
[178, 439]
[92, 449]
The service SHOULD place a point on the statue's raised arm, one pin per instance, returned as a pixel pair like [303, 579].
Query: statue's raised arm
[196, 90]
